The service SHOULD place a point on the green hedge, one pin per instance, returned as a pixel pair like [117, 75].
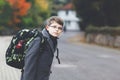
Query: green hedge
[103, 30]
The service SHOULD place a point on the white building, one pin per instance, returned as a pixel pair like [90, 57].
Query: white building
[70, 18]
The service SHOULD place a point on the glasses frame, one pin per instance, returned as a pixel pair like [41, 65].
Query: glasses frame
[59, 28]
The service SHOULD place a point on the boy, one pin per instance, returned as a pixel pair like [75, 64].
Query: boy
[38, 65]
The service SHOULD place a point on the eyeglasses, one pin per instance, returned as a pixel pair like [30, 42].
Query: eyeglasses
[55, 27]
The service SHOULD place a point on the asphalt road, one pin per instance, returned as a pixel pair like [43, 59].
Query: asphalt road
[79, 61]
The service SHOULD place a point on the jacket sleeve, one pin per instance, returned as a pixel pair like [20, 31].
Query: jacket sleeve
[31, 60]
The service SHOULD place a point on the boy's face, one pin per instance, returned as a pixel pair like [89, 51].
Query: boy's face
[55, 29]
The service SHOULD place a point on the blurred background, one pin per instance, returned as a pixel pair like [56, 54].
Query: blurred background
[99, 20]
[87, 22]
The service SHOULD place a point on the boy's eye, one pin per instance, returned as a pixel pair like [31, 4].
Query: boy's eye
[55, 27]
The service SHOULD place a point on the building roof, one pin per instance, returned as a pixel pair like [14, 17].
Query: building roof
[68, 6]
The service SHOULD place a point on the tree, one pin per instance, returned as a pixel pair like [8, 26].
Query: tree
[98, 12]
[20, 9]
[39, 11]
[5, 13]
[18, 14]
[44, 8]
[111, 11]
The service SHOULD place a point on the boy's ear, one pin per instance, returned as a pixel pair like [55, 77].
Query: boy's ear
[46, 27]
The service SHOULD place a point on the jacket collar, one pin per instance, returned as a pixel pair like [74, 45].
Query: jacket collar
[46, 35]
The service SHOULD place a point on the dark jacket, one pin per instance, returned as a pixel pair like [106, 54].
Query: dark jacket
[37, 65]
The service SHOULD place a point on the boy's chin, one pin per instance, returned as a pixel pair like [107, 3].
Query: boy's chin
[55, 35]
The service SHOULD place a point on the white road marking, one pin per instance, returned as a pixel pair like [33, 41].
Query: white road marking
[65, 66]
[105, 56]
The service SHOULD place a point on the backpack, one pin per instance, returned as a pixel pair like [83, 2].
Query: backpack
[16, 51]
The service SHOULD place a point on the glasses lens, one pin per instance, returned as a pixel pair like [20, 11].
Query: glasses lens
[59, 28]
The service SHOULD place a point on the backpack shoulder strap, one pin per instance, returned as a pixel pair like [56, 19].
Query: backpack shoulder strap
[42, 37]
[57, 57]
